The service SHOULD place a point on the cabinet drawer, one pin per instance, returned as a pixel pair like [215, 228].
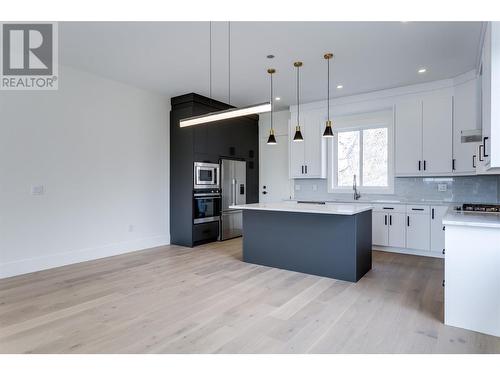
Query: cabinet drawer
[417, 209]
[205, 232]
[386, 207]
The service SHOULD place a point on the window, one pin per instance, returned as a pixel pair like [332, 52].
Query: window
[362, 147]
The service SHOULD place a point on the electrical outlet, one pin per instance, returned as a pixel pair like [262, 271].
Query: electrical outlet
[37, 190]
[297, 187]
[315, 187]
[442, 187]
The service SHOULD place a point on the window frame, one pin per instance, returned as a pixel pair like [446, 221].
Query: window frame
[359, 122]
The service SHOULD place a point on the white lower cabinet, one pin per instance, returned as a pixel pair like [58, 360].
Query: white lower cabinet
[437, 229]
[380, 233]
[415, 229]
[388, 225]
[397, 230]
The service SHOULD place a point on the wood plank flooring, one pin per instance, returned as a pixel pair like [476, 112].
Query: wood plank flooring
[206, 300]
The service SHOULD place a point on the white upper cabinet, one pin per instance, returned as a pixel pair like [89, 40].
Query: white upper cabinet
[297, 154]
[408, 146]
[465, 117]
[437, 133]
[490, 96]
[308, 158]
[424, 134]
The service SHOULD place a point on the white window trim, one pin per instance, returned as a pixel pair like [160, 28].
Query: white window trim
[377, 119]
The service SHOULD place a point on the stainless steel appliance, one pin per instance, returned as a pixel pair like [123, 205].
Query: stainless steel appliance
[206, 176]
[473, 207]
[233, 186]
[207, 206]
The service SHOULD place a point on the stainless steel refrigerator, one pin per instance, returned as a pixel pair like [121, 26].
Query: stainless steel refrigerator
[234, 191]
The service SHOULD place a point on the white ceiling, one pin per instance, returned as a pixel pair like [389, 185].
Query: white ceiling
[173, 57]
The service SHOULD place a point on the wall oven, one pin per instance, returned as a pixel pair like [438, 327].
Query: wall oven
[206, 175]
[207, 206]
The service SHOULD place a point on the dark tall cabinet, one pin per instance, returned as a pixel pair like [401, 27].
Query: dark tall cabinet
[236, 138]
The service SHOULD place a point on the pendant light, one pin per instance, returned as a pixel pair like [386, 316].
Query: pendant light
[328, 133]
[298, 134]
[272, 139]
[228, 113]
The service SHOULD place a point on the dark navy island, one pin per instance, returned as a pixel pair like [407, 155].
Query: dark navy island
[331, 240]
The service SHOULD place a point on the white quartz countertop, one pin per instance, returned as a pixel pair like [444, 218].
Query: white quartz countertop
[472, 219]
[289, 206]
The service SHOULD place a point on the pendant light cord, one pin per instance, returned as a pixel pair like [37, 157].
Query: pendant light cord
[272, 104]
[328, 91]
[210, 61]
[229, 61]
[298, 106]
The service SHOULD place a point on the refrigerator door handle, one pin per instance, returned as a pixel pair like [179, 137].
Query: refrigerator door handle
[234, 191]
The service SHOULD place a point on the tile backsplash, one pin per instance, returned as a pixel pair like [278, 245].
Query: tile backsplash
[474, 189]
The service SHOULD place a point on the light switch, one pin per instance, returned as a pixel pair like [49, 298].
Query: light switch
[297, 187]
[37, 190]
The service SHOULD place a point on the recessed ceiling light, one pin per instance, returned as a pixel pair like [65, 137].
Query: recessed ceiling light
[422, 71]
[278, 98]
[340, 87]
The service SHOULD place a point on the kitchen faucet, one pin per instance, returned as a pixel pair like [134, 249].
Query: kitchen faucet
[357, 195]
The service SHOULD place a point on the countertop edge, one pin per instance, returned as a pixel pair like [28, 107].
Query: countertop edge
[303, 210]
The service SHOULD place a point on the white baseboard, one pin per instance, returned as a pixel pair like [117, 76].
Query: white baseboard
[23, 266]
[408, 251]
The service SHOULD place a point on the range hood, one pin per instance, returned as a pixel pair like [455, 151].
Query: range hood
[473, 135]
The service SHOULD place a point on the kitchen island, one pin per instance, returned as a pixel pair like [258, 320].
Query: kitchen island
[471, 276]
[331, 240]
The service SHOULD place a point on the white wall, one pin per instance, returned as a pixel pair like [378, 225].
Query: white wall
[101, 150]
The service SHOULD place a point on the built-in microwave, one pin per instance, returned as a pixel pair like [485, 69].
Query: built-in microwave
[206, 175]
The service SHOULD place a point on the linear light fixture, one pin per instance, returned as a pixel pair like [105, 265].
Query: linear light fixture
[226, 114]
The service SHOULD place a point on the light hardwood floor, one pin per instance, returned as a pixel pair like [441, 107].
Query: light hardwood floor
[206, 300]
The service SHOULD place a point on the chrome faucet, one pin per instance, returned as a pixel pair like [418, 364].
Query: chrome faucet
[357, 195]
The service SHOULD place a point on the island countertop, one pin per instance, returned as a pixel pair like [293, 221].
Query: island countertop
[472, 219]
[289, 206]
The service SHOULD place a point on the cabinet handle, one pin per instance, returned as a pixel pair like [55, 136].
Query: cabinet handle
[484, 147]
[302, 169]
[444, 228]
[443, 251]
[432, 214]
[385, 219]
[390, 219]
[425, 165]
[452, 164]
[481, 147]
[419, 165]
[388, 208]
[417, 209]
[407, 221]
[473, 161]
[443, 284]
[306, 169]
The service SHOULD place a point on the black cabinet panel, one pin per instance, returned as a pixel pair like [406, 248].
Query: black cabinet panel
[236, 138]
